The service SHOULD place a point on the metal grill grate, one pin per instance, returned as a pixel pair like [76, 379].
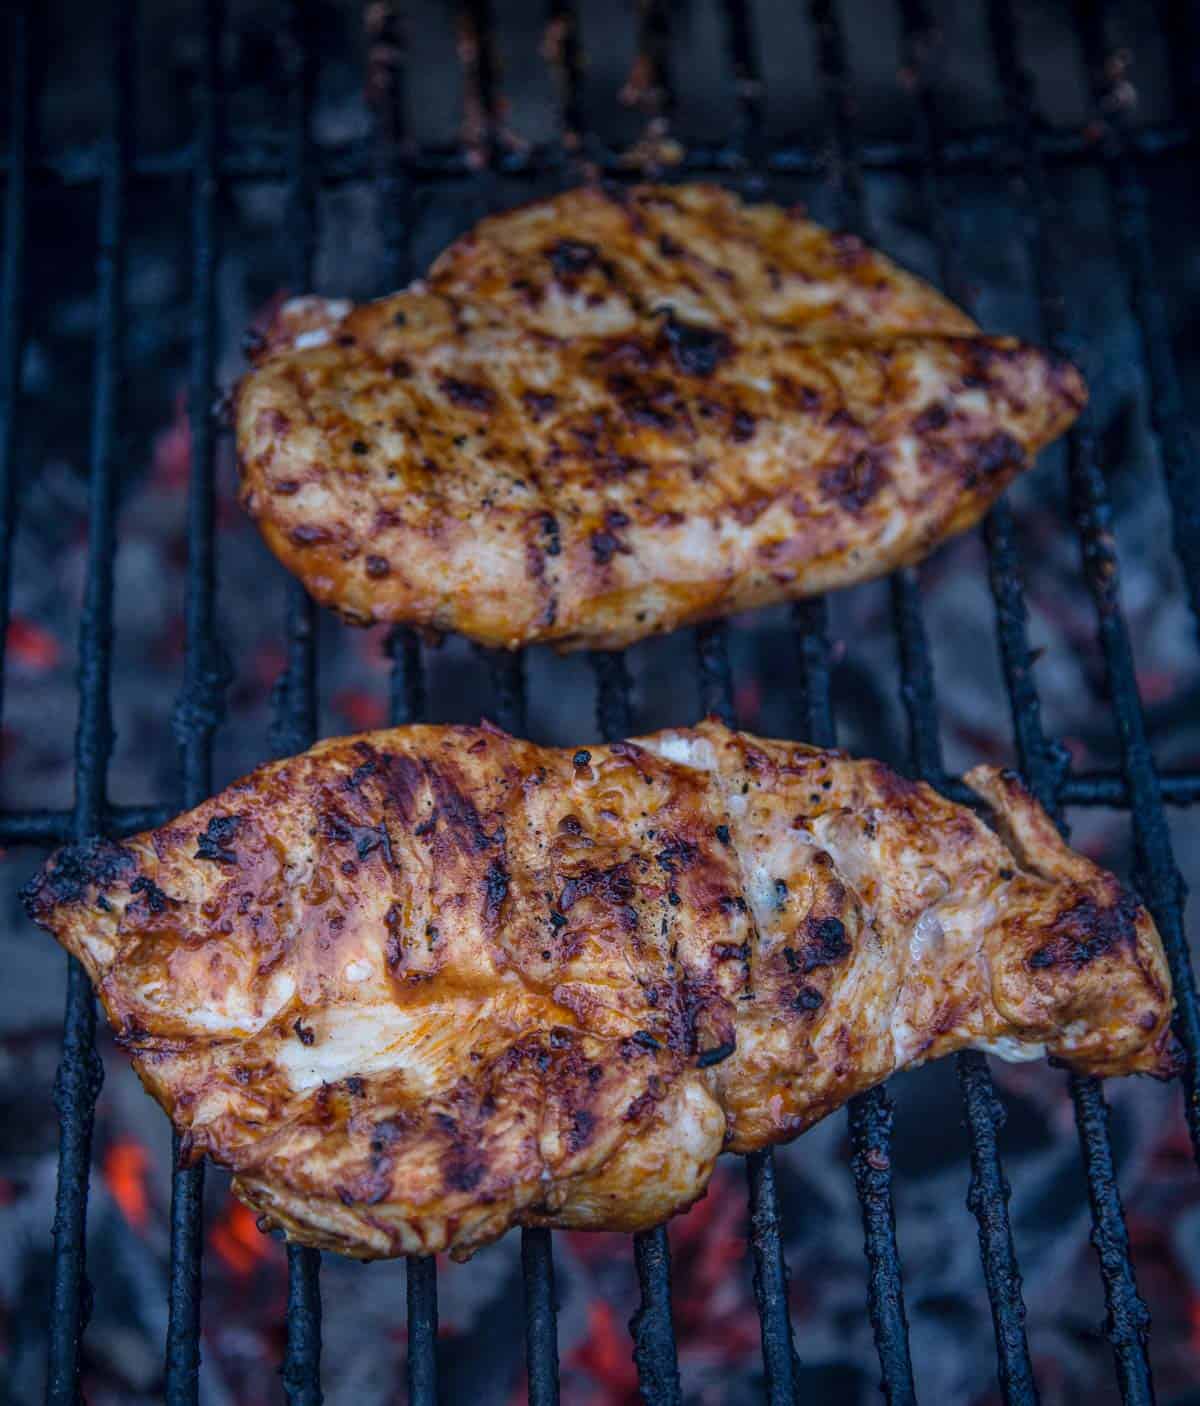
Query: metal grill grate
[1019, 146]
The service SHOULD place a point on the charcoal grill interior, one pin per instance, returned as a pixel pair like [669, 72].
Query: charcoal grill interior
[1023, 157]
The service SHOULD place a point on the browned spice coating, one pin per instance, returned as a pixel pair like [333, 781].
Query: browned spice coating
[417, 986]
[610, 413]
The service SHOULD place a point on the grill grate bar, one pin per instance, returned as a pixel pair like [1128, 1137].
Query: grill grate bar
[1039, 760]
[766, 1241]
[654, 1349]
[1130, 217]
[988, 1193]
[869, 1114]
[656, 91]
[406, 685]
[295, 709]
[1155, 869]
[562, 52]
[257, 156]
[1128, 1320]
[198, 711]
[541, 1312]
[80, 1072]
[770, 1276]
[12, 294]
[1128, 1323]
[537, 1257]
[421, 1291]
[1155, 872]
[747, 80]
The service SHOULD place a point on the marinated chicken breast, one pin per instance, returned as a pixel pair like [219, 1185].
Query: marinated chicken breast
[417, 986]
[617, 411]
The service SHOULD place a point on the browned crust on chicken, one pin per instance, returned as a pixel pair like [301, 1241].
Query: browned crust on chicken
[417, 986]
[617, 411]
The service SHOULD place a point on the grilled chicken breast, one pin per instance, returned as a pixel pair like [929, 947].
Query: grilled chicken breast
[610, 413]
[416, 986]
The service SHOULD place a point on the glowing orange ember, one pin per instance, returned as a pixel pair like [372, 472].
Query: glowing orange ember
[237, 1239]
[606, 1356]
[32, 645]
[125, 1166]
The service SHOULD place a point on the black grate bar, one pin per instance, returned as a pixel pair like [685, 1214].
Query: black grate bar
[562, 51]
[747, 80]
[507, 671]
[653, 87]
[654, 1349]
[541, 1311]
[1168, 415]
[198, 710]
[1128, 1320]
[1181, 20]
[870, 1123]
[1128, 1323]
[770, 1280]
[80, 1073]
[1038, 760]
[406, 686]
[988, 1193]
[869, 1114]
[301, 1369]
[715, 677]
[420, 1283]
[766, 1240]
[1154, 867]
[295, 722]
[12, 293]
[406, 682]
[481, 74]
[614, 709]
[258, 156]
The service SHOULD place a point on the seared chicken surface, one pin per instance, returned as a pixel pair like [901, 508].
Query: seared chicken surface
[417, 986]
[613, 412]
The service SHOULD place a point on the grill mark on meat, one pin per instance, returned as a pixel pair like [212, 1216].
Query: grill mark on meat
[99, 864]
[403, 779]
[461, 822]
[612, 887]
[933, 417]
[1000, 453]
[571, 257]
[156, 899]
[366, 839]
[696, 351]
[539, 404]
[214, 842]
[470, 395]
[310, 534]
[1087, 930]
[826, 943]
[495, 892]
[604, 547]
[854, 482]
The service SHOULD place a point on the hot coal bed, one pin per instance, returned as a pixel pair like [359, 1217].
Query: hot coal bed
[169, 173]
